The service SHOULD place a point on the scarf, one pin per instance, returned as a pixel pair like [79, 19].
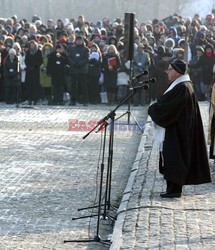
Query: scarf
[160, 131]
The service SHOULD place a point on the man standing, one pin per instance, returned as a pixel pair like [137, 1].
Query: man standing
[78, 57]
[142, 62]
[179, 134]
[56, 66]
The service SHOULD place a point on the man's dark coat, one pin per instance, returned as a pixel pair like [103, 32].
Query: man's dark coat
[184, 149]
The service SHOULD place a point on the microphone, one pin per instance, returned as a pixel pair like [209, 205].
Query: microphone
[144, 73]
[145, 86]
[153, 80]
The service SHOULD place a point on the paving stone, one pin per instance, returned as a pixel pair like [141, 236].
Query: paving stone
[185, 223]
[47, 172]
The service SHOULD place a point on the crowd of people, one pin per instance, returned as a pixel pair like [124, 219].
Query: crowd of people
[78, 61]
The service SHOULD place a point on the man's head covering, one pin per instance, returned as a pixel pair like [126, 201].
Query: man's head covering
[179, 66]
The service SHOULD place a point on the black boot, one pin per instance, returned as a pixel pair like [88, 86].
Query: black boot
[173, 190]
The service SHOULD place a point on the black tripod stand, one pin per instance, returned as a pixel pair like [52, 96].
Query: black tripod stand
[97, 237]
[103, 123]
[132, 83]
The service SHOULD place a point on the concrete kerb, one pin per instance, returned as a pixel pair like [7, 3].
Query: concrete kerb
[118, 227]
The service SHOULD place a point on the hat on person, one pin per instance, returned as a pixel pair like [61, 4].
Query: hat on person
[79, 38]
[47, 46]
[198, 47]
[169, 43]
[179, 66]
[9, 28]
[12, 52]
[58, 46]
[9, 42]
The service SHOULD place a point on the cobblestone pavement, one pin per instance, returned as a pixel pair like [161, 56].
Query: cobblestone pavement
[146, 221]
[48, 172]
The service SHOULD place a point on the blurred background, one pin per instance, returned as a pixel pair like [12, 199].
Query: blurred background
[97, 9]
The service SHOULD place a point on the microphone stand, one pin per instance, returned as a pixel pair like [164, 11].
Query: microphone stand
[128, 112]
[107, 205]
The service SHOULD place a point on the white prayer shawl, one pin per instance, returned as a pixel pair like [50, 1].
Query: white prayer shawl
[160, 131]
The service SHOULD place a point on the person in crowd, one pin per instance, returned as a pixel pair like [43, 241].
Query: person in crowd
[45, 79]
[23, 88]
[169, 32]
[57, 62]
[198, 40]
[206, 62]
[3, 53]
[78, 58]
[50, 25]
[161, 67]
[150, 94]
[210, 39]
[123, 74]
[112, 40]
[119, 32]
[211, 125]
[94, 72]
[82, 25]
[179, 134]
[111, 65]
[141, 63]
[33, 61]
[196, 74]
[169, 45]
[59, 29]
[11, 74]
[178, 53]
[157, 32]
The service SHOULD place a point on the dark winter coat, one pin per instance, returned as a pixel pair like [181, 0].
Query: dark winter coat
[56, 68]
[11, 72]
[33, 62]
[110, 76]
[184, 149]
[4, 54]
[206, 63]
[78, 57]
[94, 68]
[160, 70]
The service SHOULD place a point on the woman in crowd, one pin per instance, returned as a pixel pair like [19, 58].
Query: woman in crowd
[45, 79]
[111, 64]
[33, 61]
[11, 74]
